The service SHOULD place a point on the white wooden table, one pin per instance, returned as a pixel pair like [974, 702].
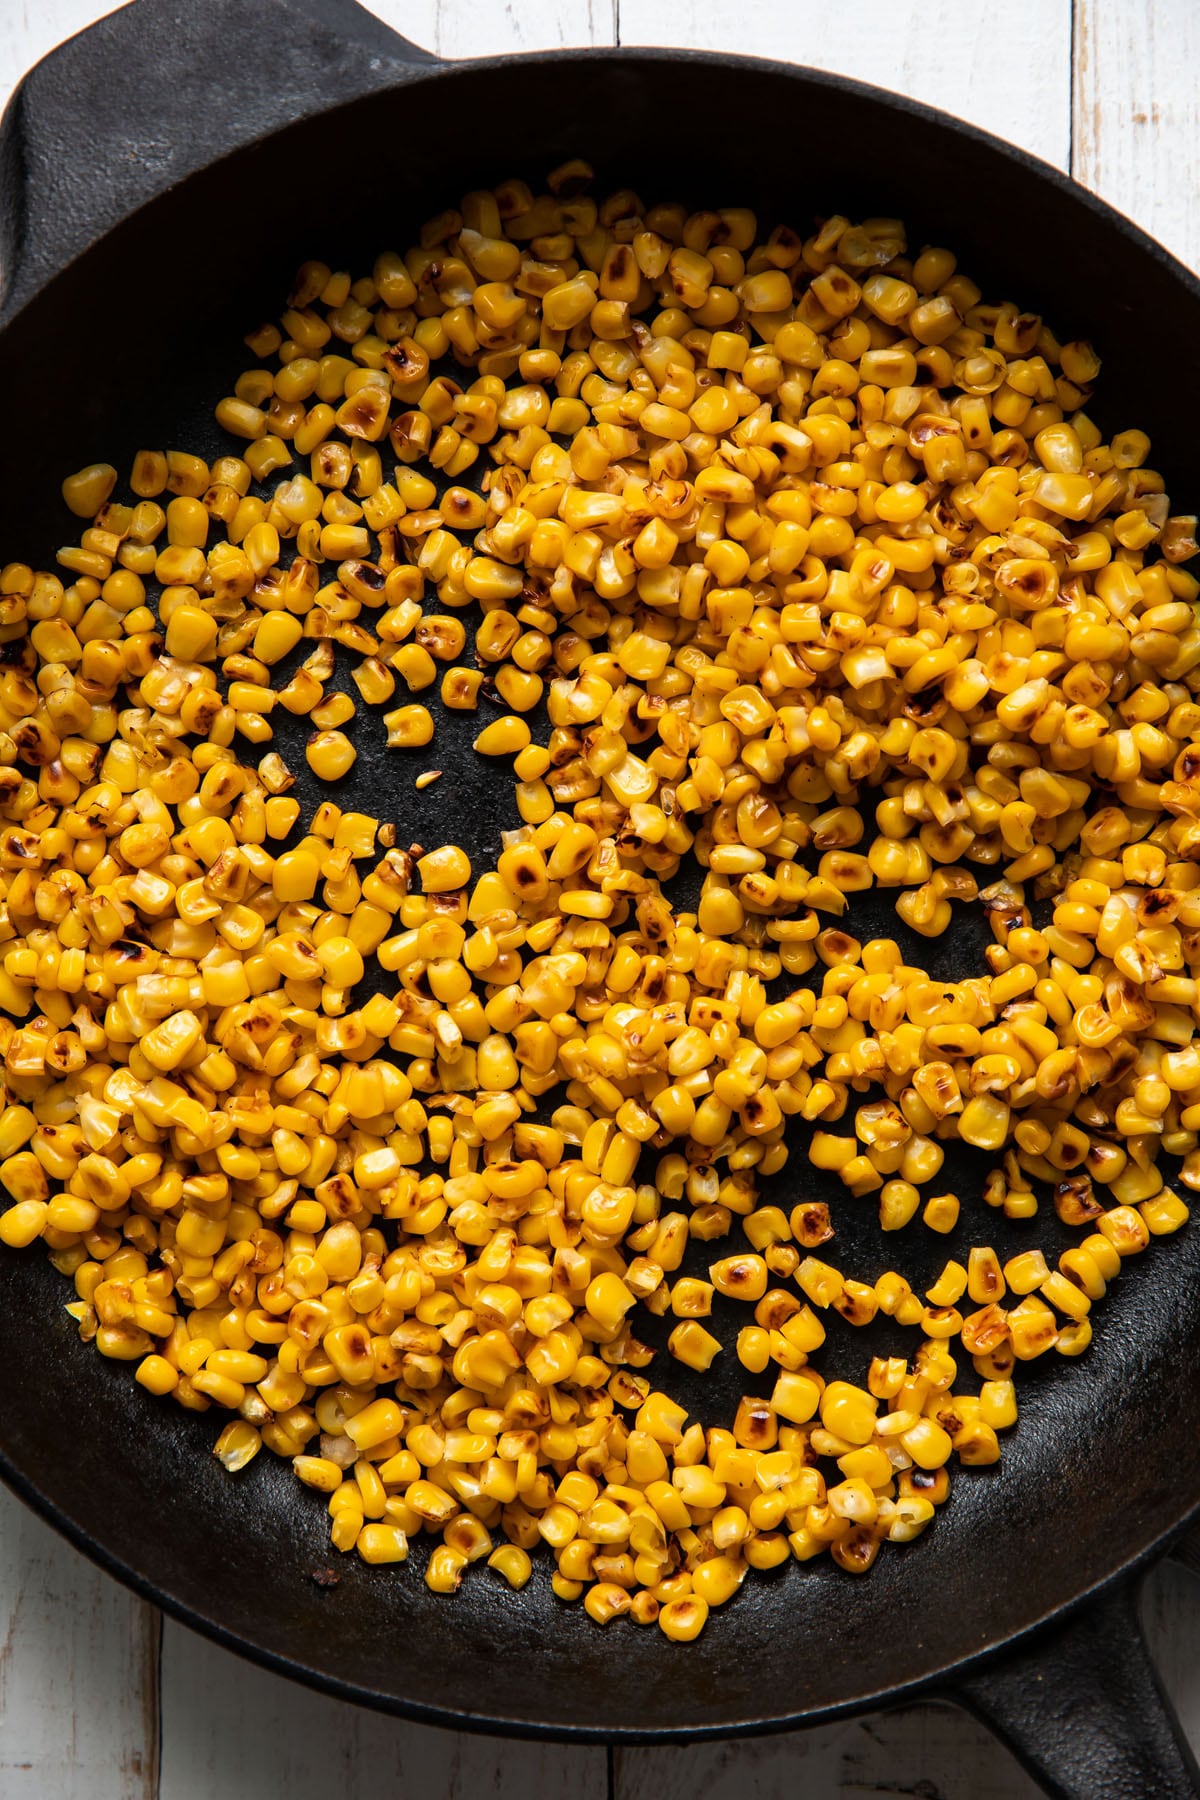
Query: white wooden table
[100, 1698]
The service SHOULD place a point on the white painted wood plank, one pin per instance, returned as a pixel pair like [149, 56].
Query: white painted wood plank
[925, 1751]
[1171, 1620]
[1137, 114]
[463, 28]
[1006, 69]
[921, 1754]
[234, 1731]
[78, 1654]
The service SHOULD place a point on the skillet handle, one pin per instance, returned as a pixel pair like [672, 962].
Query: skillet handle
[1083, 1709]
[147, 96]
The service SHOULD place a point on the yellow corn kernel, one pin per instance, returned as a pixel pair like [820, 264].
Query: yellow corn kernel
[690, 1343]
[684, 1619]
[87, 489]
[608, 1299]
[443, 870]
[21, 1224]
[512, 1563]
[941, 1212]
[156, 1374]
[503, 737]
[408, 727]
[330, 755]
[237, 1445]
[382, 1543]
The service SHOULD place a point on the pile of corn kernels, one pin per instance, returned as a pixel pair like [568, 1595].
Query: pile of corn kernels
[790, 559]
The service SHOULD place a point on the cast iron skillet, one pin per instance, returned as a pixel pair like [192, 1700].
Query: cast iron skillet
[160, 177]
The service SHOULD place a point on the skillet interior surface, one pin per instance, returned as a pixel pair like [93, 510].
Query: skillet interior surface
[131, 346]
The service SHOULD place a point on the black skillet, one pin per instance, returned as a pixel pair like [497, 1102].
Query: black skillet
[160, 177]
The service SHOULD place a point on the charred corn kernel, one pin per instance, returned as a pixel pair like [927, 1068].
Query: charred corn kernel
[1032, 1327]
[927, 1443]
[1065, 1296]
[741, 1277]
[605, 1600]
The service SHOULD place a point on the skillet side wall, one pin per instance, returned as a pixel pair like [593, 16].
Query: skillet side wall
[131, 346]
